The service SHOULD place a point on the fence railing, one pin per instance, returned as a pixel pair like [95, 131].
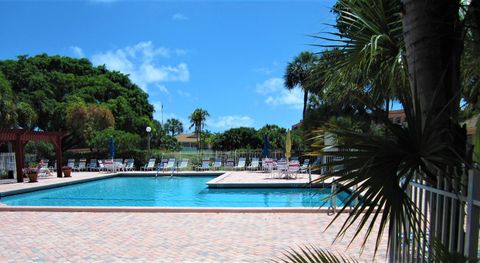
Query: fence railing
[448, 215]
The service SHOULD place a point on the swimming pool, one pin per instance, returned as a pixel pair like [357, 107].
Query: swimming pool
[165, 191]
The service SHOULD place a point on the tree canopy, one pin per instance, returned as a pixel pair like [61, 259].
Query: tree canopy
[56, 93]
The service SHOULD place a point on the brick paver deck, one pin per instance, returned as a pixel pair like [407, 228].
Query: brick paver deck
[167, 237]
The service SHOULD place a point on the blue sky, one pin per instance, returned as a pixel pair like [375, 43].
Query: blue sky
[227, 57]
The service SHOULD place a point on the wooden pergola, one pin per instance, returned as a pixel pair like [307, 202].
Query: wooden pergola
[20, 137]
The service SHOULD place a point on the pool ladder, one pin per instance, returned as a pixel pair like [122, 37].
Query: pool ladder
[171, 174]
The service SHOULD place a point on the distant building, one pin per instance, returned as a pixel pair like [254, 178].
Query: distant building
[397, 116]
[297, 125]
[188, 141]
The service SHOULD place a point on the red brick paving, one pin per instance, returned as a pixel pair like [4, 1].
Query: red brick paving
[166, 237]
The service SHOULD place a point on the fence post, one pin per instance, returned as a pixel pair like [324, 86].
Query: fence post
[471, 242]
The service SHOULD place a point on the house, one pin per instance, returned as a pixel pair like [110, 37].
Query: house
[188, 141]
[397, 116]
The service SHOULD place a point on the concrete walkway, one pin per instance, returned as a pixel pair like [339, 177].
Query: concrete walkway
[168, 237]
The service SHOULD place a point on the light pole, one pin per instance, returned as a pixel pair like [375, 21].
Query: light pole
[149, 130]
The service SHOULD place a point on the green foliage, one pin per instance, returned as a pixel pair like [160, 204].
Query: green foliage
[297, 73]
[237, 138]
[174, 126]
[46, 87]
[123, 140]
[197, 120]
[26, 115]
[8, 116]
[40, 149]
[276, 136]
[84, 121]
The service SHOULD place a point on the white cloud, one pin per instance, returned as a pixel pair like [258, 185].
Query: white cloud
[277, 95]
[292, 99]
[179, 16]
[183, 93]
[77, 51]
[163, 89]
[263, 70]
[230, 121]
[270, 86]
[141, 62]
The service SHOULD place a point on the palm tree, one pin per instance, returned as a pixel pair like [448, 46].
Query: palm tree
[368, 51]
[174, 126]
[374, 40]
[197, 120]
[297, 73]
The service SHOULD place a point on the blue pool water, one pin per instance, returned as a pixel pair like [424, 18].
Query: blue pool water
[170, 191]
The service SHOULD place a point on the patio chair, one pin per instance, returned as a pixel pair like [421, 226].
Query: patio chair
[292, 169]
[229, 163]
[43, 171]
[282, 167]
[119, 165]
[254, 164]
[305, 166]
[217, 164]
[204, 166]
[54, 167]
[71, 163]
[92, 166]
[101, 166]
[170, 166]
[150, 165]
[240, 164]
[267, 165]
[82, 165]
[183, 164]
[129, 164]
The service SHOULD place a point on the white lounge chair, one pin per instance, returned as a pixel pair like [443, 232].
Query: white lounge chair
[129, 165]
[183, 164]
[204, 166]
[240, 164]
[71, 163]
[170, 165]
[82, 165]
[150, 165]
[217, 164]
[92, 166]
[254, 164]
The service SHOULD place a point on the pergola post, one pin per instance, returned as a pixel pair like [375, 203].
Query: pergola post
[19, 157]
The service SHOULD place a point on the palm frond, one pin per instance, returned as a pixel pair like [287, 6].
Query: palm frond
[313, 254]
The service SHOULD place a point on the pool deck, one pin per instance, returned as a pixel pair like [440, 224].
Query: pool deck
[170, 237]
[235, 235]
[242, 179]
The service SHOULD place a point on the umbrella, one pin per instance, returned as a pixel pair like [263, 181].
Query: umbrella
[288, 145]
[111, 147]
[265, 150]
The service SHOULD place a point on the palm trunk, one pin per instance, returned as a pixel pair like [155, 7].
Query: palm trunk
[432, 34]
[305, 99]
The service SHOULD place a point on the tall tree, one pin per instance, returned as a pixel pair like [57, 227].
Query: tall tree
[197, 120]
[297, 73]
[174, 126]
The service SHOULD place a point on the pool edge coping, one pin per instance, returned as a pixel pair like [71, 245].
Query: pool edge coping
[128, 209]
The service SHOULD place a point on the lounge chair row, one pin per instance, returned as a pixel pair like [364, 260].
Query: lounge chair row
[267, 165]
[101, 165]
